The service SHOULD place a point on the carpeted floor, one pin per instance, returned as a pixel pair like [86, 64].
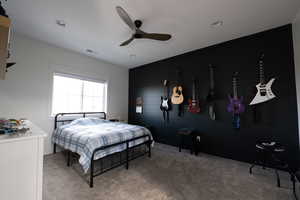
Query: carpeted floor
[167, 175]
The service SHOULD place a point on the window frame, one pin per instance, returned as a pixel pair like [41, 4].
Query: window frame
[82, 78]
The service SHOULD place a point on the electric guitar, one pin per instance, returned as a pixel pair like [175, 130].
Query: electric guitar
[211, 95]
[165, 101]
[194, 106]
[235, 106]
[177, 95]
[264, 91]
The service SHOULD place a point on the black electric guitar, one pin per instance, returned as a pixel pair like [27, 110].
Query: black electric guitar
[165, 104]
[211, 95]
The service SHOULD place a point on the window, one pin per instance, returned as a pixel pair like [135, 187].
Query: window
[73, 94]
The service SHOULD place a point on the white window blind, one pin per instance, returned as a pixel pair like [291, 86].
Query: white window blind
[73, 94]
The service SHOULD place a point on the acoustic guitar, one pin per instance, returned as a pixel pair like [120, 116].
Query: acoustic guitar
[177, 95]
[194, 105]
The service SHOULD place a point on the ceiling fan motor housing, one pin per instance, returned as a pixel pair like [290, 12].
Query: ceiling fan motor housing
[138, 23]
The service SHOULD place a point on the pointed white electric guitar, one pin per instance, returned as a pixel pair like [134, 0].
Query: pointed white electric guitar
[264, 91]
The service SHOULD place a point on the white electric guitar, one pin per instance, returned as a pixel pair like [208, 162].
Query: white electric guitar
[264, 90]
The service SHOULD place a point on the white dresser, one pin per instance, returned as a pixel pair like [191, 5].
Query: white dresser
[21, 165]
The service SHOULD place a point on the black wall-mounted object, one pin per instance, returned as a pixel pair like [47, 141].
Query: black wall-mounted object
[2, 10]
[277, 118]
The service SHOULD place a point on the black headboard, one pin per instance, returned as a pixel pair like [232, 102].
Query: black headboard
[63, 118]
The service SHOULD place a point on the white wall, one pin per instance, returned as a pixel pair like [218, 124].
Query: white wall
[27, 90]
[296, 39]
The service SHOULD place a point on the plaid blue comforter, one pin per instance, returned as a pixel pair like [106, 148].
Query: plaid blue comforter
[85, 135]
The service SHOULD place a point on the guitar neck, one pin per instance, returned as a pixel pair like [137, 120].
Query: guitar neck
[261, 73]
[166, 88]
[261, 69]
[212, 81]
[235, 92]
[234, 83]
[194, 90]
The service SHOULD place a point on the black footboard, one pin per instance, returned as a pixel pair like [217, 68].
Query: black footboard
[94, 173]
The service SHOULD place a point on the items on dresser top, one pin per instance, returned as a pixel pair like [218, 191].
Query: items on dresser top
[13, 126]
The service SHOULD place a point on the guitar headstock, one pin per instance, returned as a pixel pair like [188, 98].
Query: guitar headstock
[165, 83]
[261, 59]
[235, 75]
[261, 56]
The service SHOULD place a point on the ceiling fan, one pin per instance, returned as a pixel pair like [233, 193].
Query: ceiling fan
[138, 33]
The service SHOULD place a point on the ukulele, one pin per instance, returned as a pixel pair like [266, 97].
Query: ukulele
[211, 95]
[264, 91]
[177, 95]
[194, 102]
[165, 101]
[235, 105]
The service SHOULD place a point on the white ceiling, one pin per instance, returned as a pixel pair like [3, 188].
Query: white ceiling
[94, 24]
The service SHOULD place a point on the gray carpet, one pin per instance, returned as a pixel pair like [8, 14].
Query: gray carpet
[167, 175]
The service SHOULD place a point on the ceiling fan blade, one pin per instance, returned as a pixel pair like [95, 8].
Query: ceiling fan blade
[127, 41]
[123, 14]
[156, 36]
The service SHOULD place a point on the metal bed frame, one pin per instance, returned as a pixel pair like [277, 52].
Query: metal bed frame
[59, 119]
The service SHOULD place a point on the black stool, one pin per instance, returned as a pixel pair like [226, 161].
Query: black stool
[268, 156]
[193, 136]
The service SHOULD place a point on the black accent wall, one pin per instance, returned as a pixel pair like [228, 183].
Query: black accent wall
[277, 118]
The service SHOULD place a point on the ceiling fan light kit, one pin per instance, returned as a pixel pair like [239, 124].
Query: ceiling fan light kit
[137, 32]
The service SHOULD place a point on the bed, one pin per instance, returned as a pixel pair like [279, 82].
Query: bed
[94, 138]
